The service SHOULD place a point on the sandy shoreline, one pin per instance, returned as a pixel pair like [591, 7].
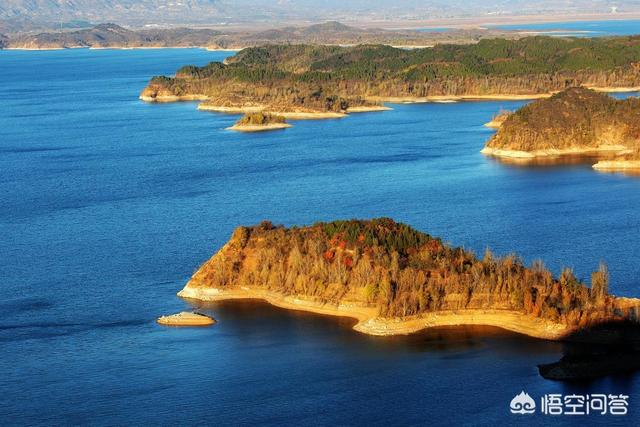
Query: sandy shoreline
[455, 98]
[291, 115]
[552, 152]
[259, 128]
[491, 97]
[172, 98]
[618, 165]
[368, 109]
[311, 115]
[368, 321]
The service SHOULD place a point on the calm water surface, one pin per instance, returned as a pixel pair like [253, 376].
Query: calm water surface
[107, 205]
[579, 28]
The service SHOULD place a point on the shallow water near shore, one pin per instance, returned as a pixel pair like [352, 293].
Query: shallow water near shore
[109, 204]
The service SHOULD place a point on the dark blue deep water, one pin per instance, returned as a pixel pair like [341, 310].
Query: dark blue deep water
[107, 205]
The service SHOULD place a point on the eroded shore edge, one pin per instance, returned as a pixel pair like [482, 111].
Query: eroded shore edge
[618, 166]
[552, 152]
[313, 115]
[259, 128]
[370, 323]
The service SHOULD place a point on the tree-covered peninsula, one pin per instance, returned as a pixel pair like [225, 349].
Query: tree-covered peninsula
[395, 279]
[575, 121]
[332, 78]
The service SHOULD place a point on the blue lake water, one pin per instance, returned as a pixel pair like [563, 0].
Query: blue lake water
[108, 204]
[579, 28]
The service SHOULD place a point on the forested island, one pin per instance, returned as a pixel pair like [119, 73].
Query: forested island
[334, 79]
[577, 121]
[397, 280]
[260, 121]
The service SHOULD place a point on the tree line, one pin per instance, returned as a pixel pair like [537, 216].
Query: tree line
[402, 272]
[292, 75]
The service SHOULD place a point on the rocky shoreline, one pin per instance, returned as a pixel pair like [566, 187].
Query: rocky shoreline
[259, 128]
[618, 165]
[368, 321]
[575, 151]
[186, 318]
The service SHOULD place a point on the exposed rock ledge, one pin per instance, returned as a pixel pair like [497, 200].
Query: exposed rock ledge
[493, 124]
[370, 323]
[618, 165]
[172, 98]
[290, 115]
[186, 318]
[259, 128]
[574, 151]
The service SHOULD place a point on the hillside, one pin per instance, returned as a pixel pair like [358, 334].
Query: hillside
[335, 33]
[112, 35]
[575, 121]
[379, 270]
[332, 78]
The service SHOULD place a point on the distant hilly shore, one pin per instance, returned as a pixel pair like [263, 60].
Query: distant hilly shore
[332, 33]
[40, 14]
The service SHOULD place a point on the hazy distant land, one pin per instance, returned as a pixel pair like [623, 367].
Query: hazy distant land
[329, 33]
[29, 15]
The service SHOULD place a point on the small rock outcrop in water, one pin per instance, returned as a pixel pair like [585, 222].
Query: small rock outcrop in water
[261, 121]
[577, 121]
[186, 318]
[395, 279]
[498, 119]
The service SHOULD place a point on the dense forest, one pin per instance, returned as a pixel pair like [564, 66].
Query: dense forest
[402, 272]
[574, 118]
[333, 77]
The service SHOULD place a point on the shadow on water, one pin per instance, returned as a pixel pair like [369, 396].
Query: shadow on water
[607, 349]
[563, 162]
[257, 318]
[552, 162]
